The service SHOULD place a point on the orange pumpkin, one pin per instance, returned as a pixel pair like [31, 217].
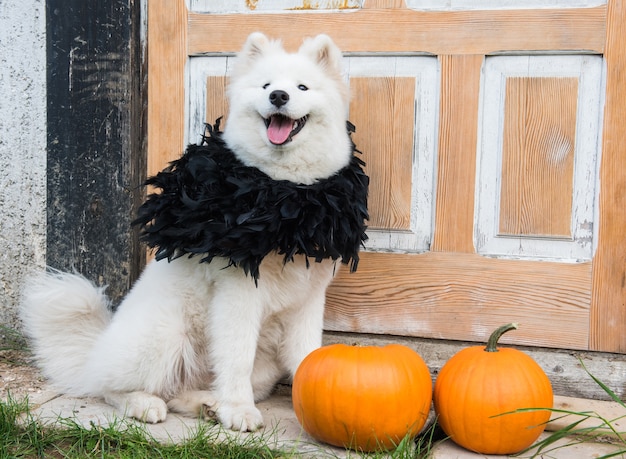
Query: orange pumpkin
[362, 397]
[479, 383]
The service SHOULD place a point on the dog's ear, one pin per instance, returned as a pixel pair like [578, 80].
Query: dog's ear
[323, 50]
[254, 46]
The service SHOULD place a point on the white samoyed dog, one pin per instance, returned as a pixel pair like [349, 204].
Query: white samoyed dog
[203, 338]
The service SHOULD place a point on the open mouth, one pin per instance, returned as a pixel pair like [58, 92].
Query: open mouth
[281, 129]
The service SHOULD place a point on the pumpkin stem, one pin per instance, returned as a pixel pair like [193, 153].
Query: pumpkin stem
[495, 336]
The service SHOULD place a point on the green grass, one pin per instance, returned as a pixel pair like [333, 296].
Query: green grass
[602, 431]
[22, 436]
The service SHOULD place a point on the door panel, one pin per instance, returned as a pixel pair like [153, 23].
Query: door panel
[395, 108]
[538, 156]
[383, 104]
[497, 173]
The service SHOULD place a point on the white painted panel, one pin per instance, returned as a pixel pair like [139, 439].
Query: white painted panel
[590, 72]
[425, 70]
[198, 70]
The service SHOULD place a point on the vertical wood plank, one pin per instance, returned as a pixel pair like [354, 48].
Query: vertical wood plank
[167, 55]
[216, 101]
[382, 109]
[458, 126]
[608, 306]
[95, 155]
[538, 156]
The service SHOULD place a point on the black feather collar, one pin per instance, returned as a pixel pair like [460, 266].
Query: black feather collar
[211, 204]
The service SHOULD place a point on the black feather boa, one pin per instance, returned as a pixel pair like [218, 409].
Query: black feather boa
[211, 204]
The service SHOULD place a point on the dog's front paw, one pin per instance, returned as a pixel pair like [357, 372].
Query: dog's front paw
[146, 408]
[241, 417]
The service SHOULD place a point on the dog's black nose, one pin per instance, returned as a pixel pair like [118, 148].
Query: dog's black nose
[279, 98]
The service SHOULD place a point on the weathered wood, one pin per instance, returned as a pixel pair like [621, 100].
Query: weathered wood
[167, 57]
[514, 153]
[402, 30]
[413, 144]
[216, 101]
[456, 172]
[383, 110]
[423, 295]
[96, 159]
[608, 310]
[538, 156]
[564, 368]
[463, 296]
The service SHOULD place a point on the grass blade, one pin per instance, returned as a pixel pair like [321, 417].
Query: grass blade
[604, 387]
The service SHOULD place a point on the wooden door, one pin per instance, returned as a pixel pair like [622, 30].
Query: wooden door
[495, 144]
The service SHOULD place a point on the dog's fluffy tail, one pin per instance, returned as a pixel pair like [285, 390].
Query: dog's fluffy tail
[63, 314]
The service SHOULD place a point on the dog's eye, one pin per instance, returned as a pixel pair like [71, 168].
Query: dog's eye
[302, 87]
[266, 85]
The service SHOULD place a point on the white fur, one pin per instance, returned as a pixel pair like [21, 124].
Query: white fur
[322, 147]
[201, 338]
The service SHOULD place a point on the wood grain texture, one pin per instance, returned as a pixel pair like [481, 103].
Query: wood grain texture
[456, 172]
[403, 30]
[167, 55]
[538, 157]
[608, 310]
[216, 101]
[451, 292]
[383, 111]
[95, 141]
[463, 297]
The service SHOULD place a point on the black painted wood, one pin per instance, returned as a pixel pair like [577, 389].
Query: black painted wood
[96, 148]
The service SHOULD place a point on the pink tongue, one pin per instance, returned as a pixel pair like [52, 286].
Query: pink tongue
[279, 129]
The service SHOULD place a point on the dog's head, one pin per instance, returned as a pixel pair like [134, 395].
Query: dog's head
[288, 111]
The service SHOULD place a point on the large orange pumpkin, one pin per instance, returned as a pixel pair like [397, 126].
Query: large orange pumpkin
[362, 397]
[479, 383]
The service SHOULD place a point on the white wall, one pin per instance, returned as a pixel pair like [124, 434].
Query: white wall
[22, 147]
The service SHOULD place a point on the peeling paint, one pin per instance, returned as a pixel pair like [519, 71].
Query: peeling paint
[561, 149]
[329, 4]
[247, 6]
